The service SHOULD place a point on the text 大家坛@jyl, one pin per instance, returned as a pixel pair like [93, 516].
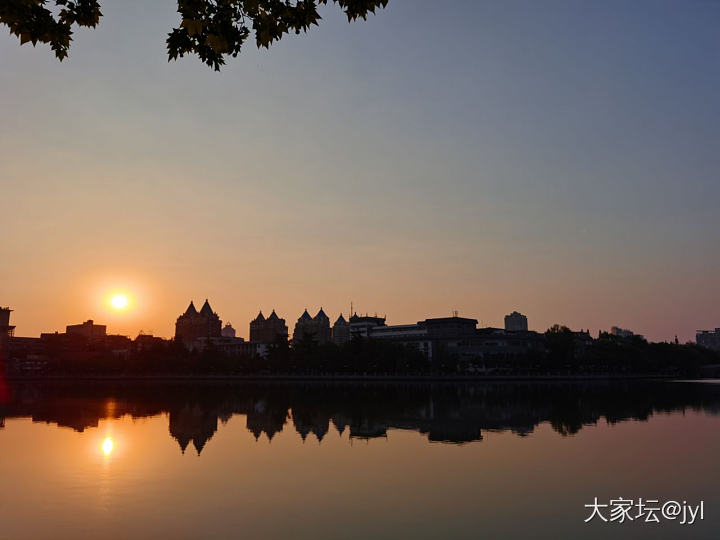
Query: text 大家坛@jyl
[622, 510]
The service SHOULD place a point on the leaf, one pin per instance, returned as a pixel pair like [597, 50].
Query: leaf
[193, 26]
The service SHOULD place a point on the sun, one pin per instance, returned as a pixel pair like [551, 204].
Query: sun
[119, 302]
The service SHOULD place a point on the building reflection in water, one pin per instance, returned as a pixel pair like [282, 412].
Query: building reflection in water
[443, 412]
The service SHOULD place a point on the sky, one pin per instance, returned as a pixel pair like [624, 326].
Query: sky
[558, 158]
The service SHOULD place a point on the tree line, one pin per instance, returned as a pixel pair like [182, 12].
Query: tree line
[564, 353]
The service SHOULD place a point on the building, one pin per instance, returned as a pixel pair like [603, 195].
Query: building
[449, 335]
[317, 327]
[620, 332]
[341, 331]
[708, 338]
[148, 341]
[410, 335]
[26, 354]
[433, 337]
[192, 324]
[322, 333]
[88, 330]
[623, 333]
[270, 330]
[6, 330]
[228, 331]
[516, 322]
[363, 326]
[501, 344]
[303, 326]
[459, 337]
[231, 346]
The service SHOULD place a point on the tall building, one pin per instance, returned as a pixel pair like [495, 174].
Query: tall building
[323, 332]
[89, 330]
[303, 326]
[341, 331]
[516, 322]
[268, 330]
[317, 327]
[192, 324]
[708, 338]
[6, 330]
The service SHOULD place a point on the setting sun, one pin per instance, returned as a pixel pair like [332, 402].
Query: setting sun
[119, 301]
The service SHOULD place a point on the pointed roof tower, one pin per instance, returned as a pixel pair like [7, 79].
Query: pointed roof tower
[183, 442]
[273, 316]
[321, 315]
[341, 320]
[191, 309]
[206, 309]
[305, 316]
[199, 444]
[260, 317]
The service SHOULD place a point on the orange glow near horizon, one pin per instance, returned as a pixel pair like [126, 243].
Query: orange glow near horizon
[119, 300]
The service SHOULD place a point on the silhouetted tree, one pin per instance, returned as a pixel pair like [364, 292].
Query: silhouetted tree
[278, 354]
[210, 29]
[560, 341]
[305, 352]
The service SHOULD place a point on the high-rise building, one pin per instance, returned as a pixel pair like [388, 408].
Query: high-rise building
[303, 326]
[516, 322]
[317, 327]
[192, 324]
[341, 331]
[322, 332]
[270, 330]
[708, 338]
[6, 330]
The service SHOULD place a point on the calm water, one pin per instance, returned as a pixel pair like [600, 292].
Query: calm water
[510, 460]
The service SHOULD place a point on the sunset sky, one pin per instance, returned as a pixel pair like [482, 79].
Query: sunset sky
[559, 158]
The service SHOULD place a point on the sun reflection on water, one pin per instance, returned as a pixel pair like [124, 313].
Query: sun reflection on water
[107, 446]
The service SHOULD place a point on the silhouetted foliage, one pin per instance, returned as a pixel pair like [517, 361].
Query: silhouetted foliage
[566, 353]
[31, 20]
[210, 29]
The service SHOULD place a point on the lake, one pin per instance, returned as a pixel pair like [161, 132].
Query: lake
[355, 460]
